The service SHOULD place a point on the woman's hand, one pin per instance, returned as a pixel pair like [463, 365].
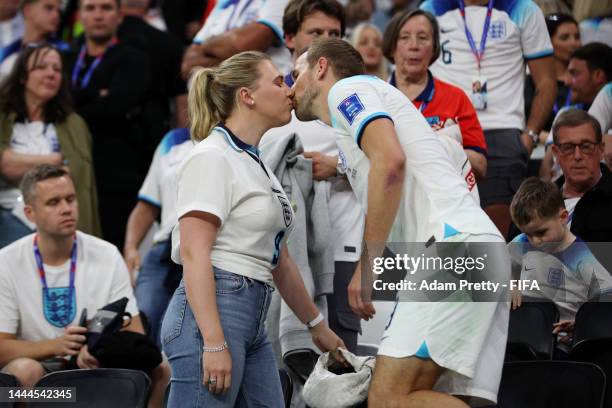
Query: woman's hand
[326, 340]
[218, 369]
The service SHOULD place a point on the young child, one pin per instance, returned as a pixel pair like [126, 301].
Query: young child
[566, 271]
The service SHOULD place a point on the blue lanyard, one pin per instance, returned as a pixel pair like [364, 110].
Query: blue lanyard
[79, 65]
[41, 268]
[479, 54]
[568, 100]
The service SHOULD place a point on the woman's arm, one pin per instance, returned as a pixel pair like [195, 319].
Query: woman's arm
[291, 288]
[198, 233]
[14, 165]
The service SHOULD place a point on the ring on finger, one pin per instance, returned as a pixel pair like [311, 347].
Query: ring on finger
[212, 381]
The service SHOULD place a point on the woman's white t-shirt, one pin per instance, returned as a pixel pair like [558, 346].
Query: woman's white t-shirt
[223, 176]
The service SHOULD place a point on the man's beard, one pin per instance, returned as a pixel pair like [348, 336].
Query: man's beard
[304, 109]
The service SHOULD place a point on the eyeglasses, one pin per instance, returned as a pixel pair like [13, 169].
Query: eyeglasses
[587, 148]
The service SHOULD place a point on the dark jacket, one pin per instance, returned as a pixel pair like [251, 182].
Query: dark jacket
[592, 219]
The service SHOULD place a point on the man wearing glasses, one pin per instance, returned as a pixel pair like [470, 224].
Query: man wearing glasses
[586, 183]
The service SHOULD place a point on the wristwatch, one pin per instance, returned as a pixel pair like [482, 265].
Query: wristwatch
[535, 138]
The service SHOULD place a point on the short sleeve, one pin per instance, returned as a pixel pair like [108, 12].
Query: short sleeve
[205, 182]
[354, 104]
[121, 286]
[9, 312]
[534, 35]
[471, 131]
[150, 191]
[271, 15]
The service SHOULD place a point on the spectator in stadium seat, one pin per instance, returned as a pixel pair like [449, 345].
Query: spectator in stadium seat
[157, 196]
[367, 39]
[11, 22]
[303, 22]
[109, 86]
[411, 194]
[38, 126]
[489, 42]
[232, 243]
[565, 38]
[238, 26]
[165, 53]
[48, 278]
[41, 21]
[548, 253]
[411, 43]
[586, 184]
[590, 68]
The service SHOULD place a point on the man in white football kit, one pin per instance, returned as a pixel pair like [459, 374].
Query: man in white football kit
[411, 193]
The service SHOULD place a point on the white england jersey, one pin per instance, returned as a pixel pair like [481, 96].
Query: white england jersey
[569, 278]
[601, 108]
[223, 176]
[517, 32]
[159, 187]
[230, 14]
[436, 201]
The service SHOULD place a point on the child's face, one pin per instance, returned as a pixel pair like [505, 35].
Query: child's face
[547, 234]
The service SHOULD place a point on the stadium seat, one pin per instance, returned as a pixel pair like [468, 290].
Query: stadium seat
[551, 384]
[100, 388]
[593, 321]
[301, 362]
[7, 380]
[287, 386]
[530, 330]
[599, 352]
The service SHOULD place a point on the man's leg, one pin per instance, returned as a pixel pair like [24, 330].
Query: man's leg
[27, 371]
[160, 378]
[408, 382]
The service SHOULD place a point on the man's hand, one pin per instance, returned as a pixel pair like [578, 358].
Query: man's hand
[71, 342]
[565, 328]
[517, 299]
[132, 260]
[326, 340]
[356, 294]
[86, 360]
[323, 166]
[196, 56]
[527, 142]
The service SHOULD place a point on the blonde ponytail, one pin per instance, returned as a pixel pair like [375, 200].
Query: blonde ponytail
[212, 91]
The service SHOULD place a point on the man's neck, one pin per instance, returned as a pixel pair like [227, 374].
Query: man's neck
[55, 250]
[32, 35]
[322, 105]
[97, 48]
[133, 12]
[411, 86]
[578, 190]
[476, 2]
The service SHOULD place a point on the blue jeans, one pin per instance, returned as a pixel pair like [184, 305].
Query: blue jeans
[243, 304]
[152, 295]
[11, 228]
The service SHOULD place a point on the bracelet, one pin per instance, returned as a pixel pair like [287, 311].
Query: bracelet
[311, 324]
[215, 349]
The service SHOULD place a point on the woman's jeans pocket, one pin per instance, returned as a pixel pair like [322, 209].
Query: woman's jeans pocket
[227, 283]
[175, 315]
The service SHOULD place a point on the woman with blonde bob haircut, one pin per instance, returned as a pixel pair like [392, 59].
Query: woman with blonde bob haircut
[234, 219]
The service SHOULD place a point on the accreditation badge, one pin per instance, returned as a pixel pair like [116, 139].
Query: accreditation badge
[479, 93]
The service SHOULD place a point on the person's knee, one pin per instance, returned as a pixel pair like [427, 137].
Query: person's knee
[27, 371]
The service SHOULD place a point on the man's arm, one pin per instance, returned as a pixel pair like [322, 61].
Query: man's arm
[543, 75]
[478, 162]
[140, 221]
[381, 145]
[252, 36]
[68, 344]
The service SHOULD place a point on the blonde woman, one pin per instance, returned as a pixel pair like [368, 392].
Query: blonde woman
[367, 39]
[234, 219]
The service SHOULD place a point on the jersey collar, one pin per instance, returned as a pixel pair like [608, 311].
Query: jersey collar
[235, 142]
[427, 94]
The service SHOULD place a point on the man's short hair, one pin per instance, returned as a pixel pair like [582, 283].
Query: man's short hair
[344, 60]
[23, 3]
[575, 117]
[36, 175]
[392, 32]
[597, 56]
[535, 198]
[297, 11]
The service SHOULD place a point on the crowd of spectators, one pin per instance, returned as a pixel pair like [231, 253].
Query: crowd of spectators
[95, 92]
